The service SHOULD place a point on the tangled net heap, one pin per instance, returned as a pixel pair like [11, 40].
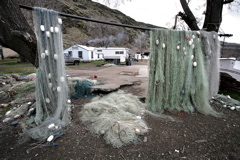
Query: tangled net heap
[117, 116]
[226, 102]
[184, 70]
[52, 106]
[81, 87]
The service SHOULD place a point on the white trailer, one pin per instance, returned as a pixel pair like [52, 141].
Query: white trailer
[114, 54]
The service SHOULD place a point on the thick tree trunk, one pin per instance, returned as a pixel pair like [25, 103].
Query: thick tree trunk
[15, 32]
[1, 53]
[188, 16]
[213, 17]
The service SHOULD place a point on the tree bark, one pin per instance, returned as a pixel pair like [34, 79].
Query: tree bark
[1, 53]
[15, 32]
[188, 16]
[213, 17]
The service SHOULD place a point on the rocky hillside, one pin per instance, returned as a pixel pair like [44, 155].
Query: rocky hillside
[80, 32]
[230, 50]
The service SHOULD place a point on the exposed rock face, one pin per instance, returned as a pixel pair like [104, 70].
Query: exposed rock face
[79, 31]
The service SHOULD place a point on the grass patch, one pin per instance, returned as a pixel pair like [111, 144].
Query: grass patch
[88, 64]
[18, 70]
[10, 66]
[9, 60]
[233, 93]
[92, 63]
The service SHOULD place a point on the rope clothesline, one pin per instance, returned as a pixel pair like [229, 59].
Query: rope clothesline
[106, 22]
[94, 20]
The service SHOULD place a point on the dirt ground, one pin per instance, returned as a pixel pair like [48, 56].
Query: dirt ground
[191, 136]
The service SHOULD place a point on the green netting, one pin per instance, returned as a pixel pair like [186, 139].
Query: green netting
[183, 71]
[81, 87]
[118, 116]
[226, 102]
[51, 83]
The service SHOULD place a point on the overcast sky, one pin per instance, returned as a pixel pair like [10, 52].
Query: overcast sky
[162, 14]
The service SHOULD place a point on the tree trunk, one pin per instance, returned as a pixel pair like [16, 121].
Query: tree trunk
[213, 17]
[188, 16]
[1, 53]
[15, 32]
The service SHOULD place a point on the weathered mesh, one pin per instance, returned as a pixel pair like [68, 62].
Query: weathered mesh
[81, 87]
[184, 71]
[226, 102]
[118, 116]
[51, 82]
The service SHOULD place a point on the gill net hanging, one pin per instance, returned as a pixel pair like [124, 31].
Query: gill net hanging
[51, 83]
[184, 72]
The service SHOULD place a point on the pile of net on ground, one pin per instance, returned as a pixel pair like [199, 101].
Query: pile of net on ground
[184, 70]
[52, 98]
[117, 116]
[81, 87]
[226, 102]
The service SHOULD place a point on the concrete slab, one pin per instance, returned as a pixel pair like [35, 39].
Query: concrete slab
[143, 72]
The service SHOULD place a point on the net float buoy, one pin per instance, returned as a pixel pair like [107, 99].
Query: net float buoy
[59, 20]
[46, 52]
[55, 56]
[48, 33]
[50, 138]
[51, 126]
[163, 45]
[56, 30]
[51, 29]
[42, 28]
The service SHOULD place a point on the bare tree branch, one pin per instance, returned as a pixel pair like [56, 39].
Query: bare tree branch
[188, 16]
[227, 1]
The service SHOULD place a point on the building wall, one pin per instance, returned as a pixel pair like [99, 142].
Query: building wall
[86, 54]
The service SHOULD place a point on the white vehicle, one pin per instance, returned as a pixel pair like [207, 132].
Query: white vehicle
[113, 54]
[230, 66]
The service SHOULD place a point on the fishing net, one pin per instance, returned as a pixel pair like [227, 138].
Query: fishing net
[184, 72]
[81, 87]
[117, 116]
[226, 102]
[51, 83]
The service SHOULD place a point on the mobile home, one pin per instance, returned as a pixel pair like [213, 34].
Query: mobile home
[77, 53]
[114, 54]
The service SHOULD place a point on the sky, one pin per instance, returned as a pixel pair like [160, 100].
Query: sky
[162, 14]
